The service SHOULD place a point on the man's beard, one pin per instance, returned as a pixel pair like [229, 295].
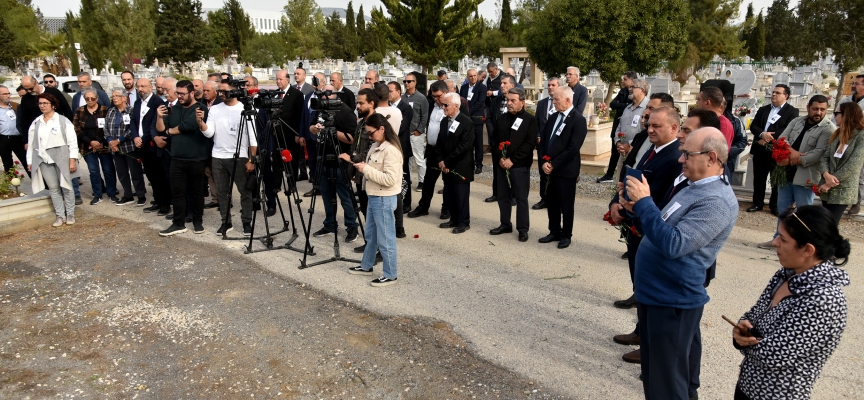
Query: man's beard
[814, 119]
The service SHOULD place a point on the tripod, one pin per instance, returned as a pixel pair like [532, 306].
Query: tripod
[248, 126]
[328, 137]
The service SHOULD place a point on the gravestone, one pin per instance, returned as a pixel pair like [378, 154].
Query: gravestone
[780, 78]
[660, 85]
[598, 95]
[675, 88]
[743, 79]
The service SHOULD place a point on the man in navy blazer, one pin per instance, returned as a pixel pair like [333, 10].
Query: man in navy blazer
[85, 82]
[544, 110]
[770, 121]
[455, 159]
[580, 92]
[475, 92]
[143, 128]
[560, 144]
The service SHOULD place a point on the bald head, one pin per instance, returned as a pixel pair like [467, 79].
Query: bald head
[282, 79]
[145, 89]
[160, 81]
[704, 154]
[199, 87]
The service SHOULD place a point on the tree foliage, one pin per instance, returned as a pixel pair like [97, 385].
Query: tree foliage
[712, 30]
[558, 38]
[350, 41]
[429, 31]
[831, 27]
[304, 29]
[22, 22]
[756, 40]
[506, 23]
[181, 36]
[781, 32]
[229, 30]
[266, 50]
[488, 42]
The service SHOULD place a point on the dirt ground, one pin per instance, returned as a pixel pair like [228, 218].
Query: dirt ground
[106, 309]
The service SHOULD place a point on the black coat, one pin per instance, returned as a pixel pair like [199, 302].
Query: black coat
[757, 126]
[660, 171]
[28, 110]
[476, 104]
[564, 150]
[493, 85]
[405, 127]
[580, 98]
[522, 140]
[291, 113]
[456, 149]
[347, 97]
[148, 123]
[542, 114]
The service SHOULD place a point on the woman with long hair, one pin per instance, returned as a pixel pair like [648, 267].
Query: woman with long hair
[382, 181]
[52, 157]
[842, 161]
[796, 324]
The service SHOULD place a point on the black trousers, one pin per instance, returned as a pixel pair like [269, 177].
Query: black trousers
[671, 351]
[516, 189]
[544, 178]
[560, 200]
[429, 181]
[187, 176]
[836, 211]
[9, 145]
[456, 197]
[156, 175]
[362, 198]
[762, 167]
[613, 158]
[406, 175]
[130, 173]
[633, 242]
[478, 143]
[739, 395]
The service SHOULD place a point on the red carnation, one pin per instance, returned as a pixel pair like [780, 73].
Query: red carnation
[501, 146]
[17, 163]
[547, 158]
[634, 231]
[815, 189]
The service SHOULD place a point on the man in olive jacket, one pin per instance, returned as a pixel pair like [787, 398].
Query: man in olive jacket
[516, 135]
[456, 161]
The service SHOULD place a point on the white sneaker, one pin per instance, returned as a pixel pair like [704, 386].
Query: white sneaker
[58, 222]
[70, 220]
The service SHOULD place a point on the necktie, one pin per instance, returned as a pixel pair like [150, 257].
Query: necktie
[646, 158]
[299, 86]
[128, 98]
[281, 94]
[552, 136]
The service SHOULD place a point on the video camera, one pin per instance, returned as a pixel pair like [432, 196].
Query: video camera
[266, 99]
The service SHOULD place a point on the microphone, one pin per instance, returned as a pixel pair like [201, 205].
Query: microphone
[286, 156]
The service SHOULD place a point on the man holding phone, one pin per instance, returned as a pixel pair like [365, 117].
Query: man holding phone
[189, 146]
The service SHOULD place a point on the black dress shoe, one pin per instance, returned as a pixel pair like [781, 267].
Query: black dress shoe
[499, 230]
[523, 236]
[400, 233]
[625, 256]
[211, 204]
[478, 170]
[754, 208]
[417, 212]
[539, 206]
[549, 238]
[313, 192]
[441, 191]
[491, 199]
[445, 215]
[406, 209]
[564, 243]
[447, 225]
[774, 212]
[153, 208]
[271, 212]
[630, 302]
[460, 229]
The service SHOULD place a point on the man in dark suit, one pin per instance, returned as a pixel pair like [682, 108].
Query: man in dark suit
[455, 159]
[407, 110]
[493, 89]
[499, 108]
[560, 143]
[433, 136]
[517, 130]
[300, 81]
[309, 141]
[343, 93]
[143, 128]
[770, 121]
[618, 104]
[544, 110]
[580, 92]
[473, 92]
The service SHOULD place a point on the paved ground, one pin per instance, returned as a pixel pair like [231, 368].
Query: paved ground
[541, 312]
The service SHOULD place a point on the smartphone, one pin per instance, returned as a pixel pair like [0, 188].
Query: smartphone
[170, 109]
[634, 173]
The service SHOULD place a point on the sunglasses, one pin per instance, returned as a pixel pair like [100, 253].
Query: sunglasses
[408, 81]
[89, 99]
[47, 82]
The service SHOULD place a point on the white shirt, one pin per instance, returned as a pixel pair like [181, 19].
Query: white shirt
[144, 110]
[223, 124]
[435, 118]
[774, 111]
[82, 102]
[394, 116]
[49, 136]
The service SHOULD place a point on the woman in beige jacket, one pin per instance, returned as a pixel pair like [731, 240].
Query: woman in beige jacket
[382, 181]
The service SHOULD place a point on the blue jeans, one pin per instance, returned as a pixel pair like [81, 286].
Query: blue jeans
[788, 194]
[75, 184]
[381, 234]
[93, 161]
[340, 187]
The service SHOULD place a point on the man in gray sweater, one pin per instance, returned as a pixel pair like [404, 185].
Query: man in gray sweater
[680, 243]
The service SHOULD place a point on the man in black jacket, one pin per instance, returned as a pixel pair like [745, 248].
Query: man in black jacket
[493, 89]
[619, 103]
[344, 94]
[433, 135]
[499, 108]
[545, 109]
[770, 121]
[143, 128]
[560, 143]
[455, 159]
[516, 135]
[28, 110]
[395, 100]
[285, 135]
[473, 91]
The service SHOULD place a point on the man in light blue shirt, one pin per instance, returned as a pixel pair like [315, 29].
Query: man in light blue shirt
[11, 140]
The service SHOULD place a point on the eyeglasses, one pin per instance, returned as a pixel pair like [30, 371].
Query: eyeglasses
[89, 99]
[118, 96]
[836, 113]
[437, 96]
[687, 154]
[181, 93]
[372, 131]
[28, 90]
[408, 81]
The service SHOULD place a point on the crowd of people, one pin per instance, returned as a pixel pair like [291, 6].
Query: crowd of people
[672, 175]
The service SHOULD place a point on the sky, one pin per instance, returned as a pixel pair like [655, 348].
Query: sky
[58, 8]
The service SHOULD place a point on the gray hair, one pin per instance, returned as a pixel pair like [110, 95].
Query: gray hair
[90, 90]
[377, 76]
[491, 65]
[518, 91]
[567, 91]
[117, 89]
[714, 141]
[574, 68]
[452, 98]
[208, 83]
[554, 78]
[510, 78]
[641, 84]
[169, 82]
[84, 73]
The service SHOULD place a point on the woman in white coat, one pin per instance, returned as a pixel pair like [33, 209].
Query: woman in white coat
[52, 157]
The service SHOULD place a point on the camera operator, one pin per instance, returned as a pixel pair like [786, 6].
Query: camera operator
[332, 182]
[223, 123]
[189, 146]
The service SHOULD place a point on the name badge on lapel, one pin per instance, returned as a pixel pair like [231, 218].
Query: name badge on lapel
[10, 114]
[679, 179]
[516, 124]
[774, 119]
[470, 95]
[454, 126]
[839, 152]
[411, 103]
[551, 111]
[635, 121]
[100, 122]
[126, 119]
[671, 210]
[54, 130]
[560, 129]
